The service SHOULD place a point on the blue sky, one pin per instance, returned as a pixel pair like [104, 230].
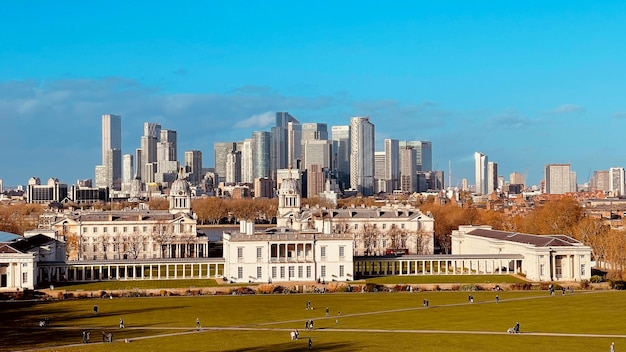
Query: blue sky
[527, 83]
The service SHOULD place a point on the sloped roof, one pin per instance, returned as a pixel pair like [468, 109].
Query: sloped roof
[534, 240]
[5, 248]
[373, 213]
[31, 242]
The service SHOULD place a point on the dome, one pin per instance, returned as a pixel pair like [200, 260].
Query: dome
[180, 187]
[289, 186]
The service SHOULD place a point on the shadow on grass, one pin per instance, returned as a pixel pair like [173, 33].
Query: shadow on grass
[299, 345]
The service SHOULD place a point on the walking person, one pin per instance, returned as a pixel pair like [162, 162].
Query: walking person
[497, 299]
[612, 347]
[327, 312]
[306, 325]
[198, 323]
[310, 344]
[121, 323]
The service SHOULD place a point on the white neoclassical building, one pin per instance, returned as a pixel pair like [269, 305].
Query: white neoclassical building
[544, 257]
[390, 229]
[134, 234]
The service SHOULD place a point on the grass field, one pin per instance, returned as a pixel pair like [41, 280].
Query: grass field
[584, 321]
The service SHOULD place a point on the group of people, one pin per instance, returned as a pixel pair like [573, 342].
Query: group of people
[87, 336]
[308, 325]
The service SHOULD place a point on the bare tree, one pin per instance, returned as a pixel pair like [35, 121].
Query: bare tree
[134, 244]
[397, 239]
[422, 242]
[162, 236]
[104, 241]
[369, 235]
[189, 239]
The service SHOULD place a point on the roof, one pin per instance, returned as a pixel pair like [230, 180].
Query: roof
[31, 242]
[8, 237]
[523, 238]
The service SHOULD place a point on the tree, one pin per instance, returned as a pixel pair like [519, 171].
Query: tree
[72, 246]
[134, 244]
[104, 241]
[397, 238]
[162, 236]
[369, 235]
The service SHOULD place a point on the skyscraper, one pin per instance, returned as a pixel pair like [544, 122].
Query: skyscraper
[408, 174]
[193, 165]
[560, 179]
[492, 176]
[261, 154]
[423, 154]
[362, 155]
[616, 181]
[480, 172]
[314, 131]
[392, 164]
[380, 173]
[149, 140]
[221, 151]
[110, 174]
[279, 149]
[341, 150]
[127, 171]
[246, 161]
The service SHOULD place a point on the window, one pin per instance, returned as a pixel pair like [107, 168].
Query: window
[323, 270]
[384, 226]
[582, 269]
[342, 251]
[105, 229]
[259, 252]
[300, 272]
[259, 271]
[323, 251]
[240, 252]
[240, 272]
[84, 230]
[135, 228]
[401, 226]
[356, 226]
[114, 229]
[273, 272]
[292, 272]
[341, 271]
[24, 278]
[308, 271]
[95, 230]
[95, 247]
[145, 229]
[124, 229]
[541, 269]
[282, 272]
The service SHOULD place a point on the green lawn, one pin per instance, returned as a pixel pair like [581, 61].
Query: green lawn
[368, 322]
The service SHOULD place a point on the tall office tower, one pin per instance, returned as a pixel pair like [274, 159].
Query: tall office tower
[294, 145]
[616, 180]
[279, 149]
[1, 186]
[362, 155]
[193, 165]
[221, 151]
[341, 150]
[423, 154]
[110, 174]
[408, 176]
[600, 181]
[560, 179]
[380, 174]
[261, 158]
[314, 131]
[233, 167]
[166, 147]
[392, 164]
[149, 140]
[315, 180]
[317, 152]
[516, 178]
[480, 172]
[128, 170]
[492, 177]
[246, 161]
[464, 185]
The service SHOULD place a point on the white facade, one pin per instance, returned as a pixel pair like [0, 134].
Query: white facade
[545, 258]
[480, 173]
[282, 255]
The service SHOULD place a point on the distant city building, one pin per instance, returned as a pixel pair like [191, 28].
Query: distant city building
[193, 166]
[492, 176]
[261, 157]
[342, 152]
[316, 180]
[560, 179]
[423, 154]
[110, 174]
[408, 172]
[263, 188]
[314, 131]
[317, 152]
[221, 151]
[516, 178]
[362, 155]
[246, 161]
[392, 164]
[600, 181]
[280, 140]
[52, 191]
[233, 167]
[380, 173]
[617, 181]
[481, 173]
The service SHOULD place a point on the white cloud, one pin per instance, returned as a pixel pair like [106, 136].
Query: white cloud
[257, 121]
[568, 109]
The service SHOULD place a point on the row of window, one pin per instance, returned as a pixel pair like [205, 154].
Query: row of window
[259, 252]
[280, 272]
[126, 229]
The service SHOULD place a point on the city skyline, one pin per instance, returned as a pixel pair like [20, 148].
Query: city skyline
[526, 84]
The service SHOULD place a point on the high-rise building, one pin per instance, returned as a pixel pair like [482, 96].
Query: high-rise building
[362, 155]
[616, 181]
[480, 172]
[392, 164]
[128, 170]
[315, 180]
[221, 151]
[492, 176]
[233, 167]
[193, 165]
[560, 179]
[423, 154]
[246, 161]
[600, 181]
[317, 152]
[408, 180]
[380, 174]
[149, 140]
[516, 178]
[166, 147]
[261, 158]
[294, 145]
[111, 173]
[341, 150]
[314, 131]
[279, 149]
